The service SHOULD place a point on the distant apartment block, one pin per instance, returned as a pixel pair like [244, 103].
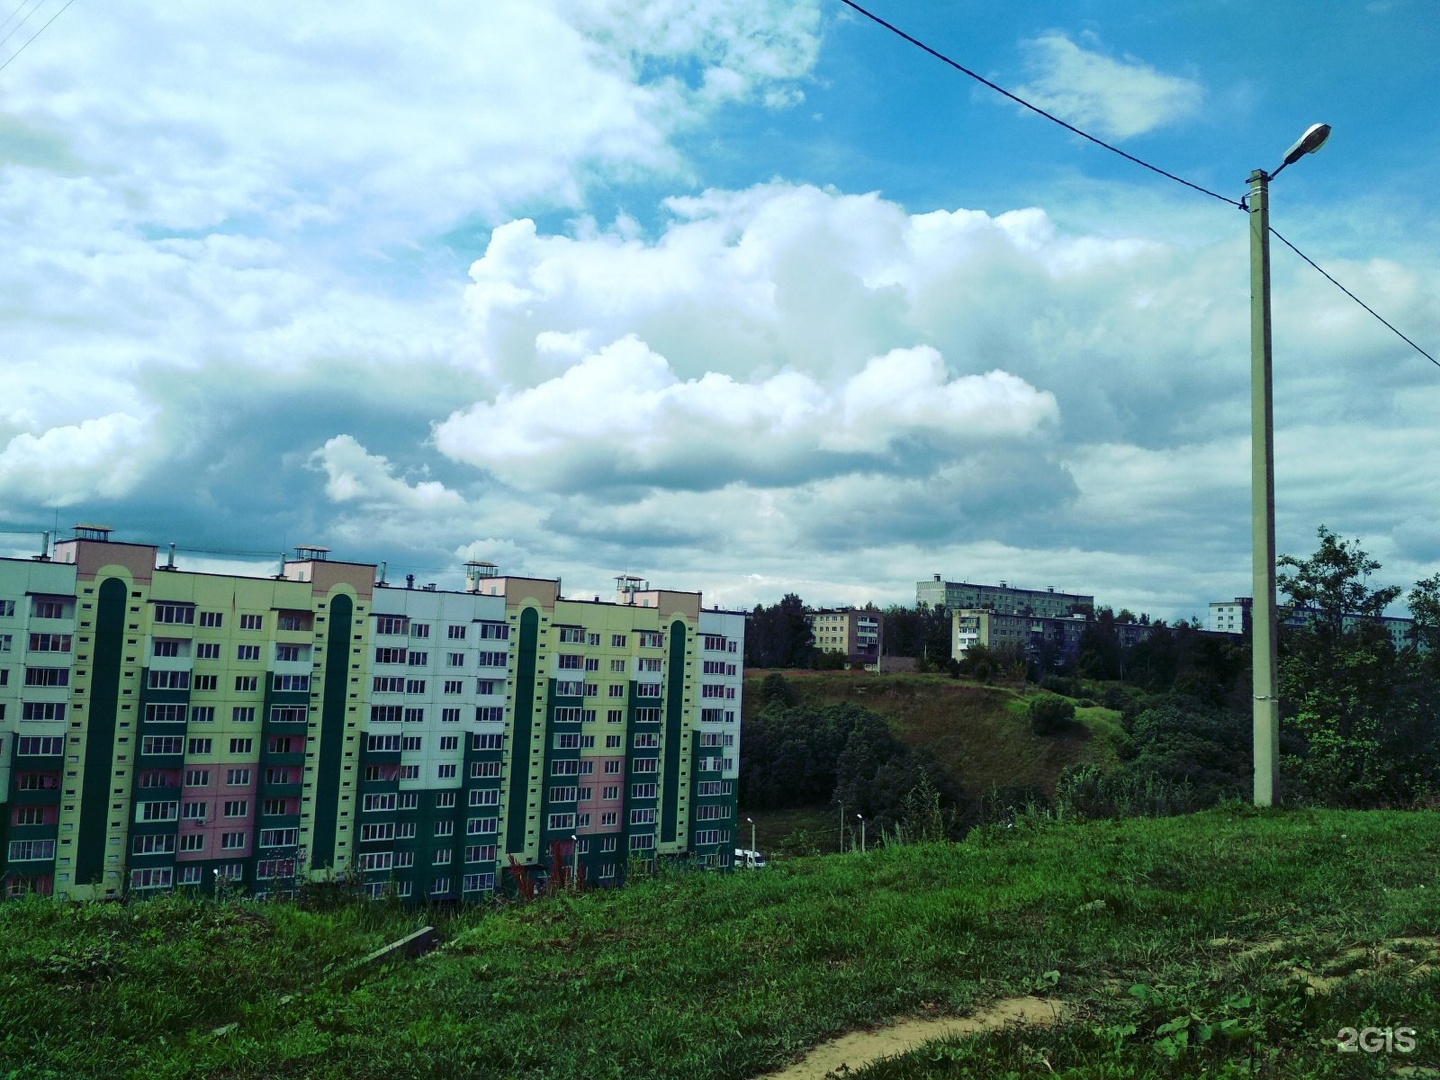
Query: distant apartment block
[1036, 637]
[857, 633]
[1230, 616]
[162, 728]
[1233, 617]
[1003, 599]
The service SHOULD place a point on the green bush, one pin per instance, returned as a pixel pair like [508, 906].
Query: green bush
[1051, 715]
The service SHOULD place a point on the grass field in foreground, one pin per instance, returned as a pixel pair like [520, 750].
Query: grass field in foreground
[1227, 943]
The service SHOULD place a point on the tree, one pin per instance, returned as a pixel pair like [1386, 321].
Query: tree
[780, 636]
[1424, 603]
[921, 632]
[1359, 707]
[1100, 654]
[1333, 583]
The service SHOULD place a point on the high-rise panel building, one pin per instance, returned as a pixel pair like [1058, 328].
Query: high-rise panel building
[163, 728]
[1003, 599]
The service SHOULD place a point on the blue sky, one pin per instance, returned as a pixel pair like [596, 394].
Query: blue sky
[741, 296]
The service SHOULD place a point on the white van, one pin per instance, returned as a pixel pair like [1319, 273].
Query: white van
[745, 859]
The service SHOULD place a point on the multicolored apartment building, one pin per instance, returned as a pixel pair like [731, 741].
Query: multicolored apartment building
[162, 727]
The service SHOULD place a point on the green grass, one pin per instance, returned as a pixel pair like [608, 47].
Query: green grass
[1216, 916]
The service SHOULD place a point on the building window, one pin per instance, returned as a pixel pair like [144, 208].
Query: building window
[153, 844]
[252, 622]
[183, 614]
[39, 745]
[31, 850]
[61, 643]
[157, 877]
[157, 811]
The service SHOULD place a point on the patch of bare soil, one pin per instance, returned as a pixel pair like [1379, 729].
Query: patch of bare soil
[860, 1048]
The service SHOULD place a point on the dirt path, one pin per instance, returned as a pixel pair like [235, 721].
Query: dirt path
[864, 1047]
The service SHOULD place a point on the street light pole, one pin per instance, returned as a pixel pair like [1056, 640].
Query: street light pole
[862, 832]
[753, 848]
[1264, 667]
[574, 861]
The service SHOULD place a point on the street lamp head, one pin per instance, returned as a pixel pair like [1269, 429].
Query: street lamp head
[1313, 139]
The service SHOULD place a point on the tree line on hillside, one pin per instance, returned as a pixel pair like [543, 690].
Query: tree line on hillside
[780, 636]
[1360, 715]
[795, 753]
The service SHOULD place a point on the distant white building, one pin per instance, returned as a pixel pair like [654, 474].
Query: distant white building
[1233, 617]
[1229, 616]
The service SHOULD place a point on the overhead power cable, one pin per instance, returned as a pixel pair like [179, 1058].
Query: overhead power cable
[1033, 107]
[18, 8]
[1352, 296]
[1239, 204]
[11, 59]
[15, 29]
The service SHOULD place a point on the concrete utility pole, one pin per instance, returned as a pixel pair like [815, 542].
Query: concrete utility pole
[1265, 672]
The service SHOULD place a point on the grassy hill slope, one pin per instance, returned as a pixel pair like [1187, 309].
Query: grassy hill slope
[980, 733]
[1286, 926]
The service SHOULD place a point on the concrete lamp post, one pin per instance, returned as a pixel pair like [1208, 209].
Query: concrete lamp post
[751, 823]
[862, 832]
[1265, 672]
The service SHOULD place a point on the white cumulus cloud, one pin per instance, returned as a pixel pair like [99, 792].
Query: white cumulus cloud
[353, 474]
[623, 416]
[100, 458]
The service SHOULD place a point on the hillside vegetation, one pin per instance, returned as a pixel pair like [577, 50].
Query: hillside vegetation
[980, 734]
[1224, 943]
